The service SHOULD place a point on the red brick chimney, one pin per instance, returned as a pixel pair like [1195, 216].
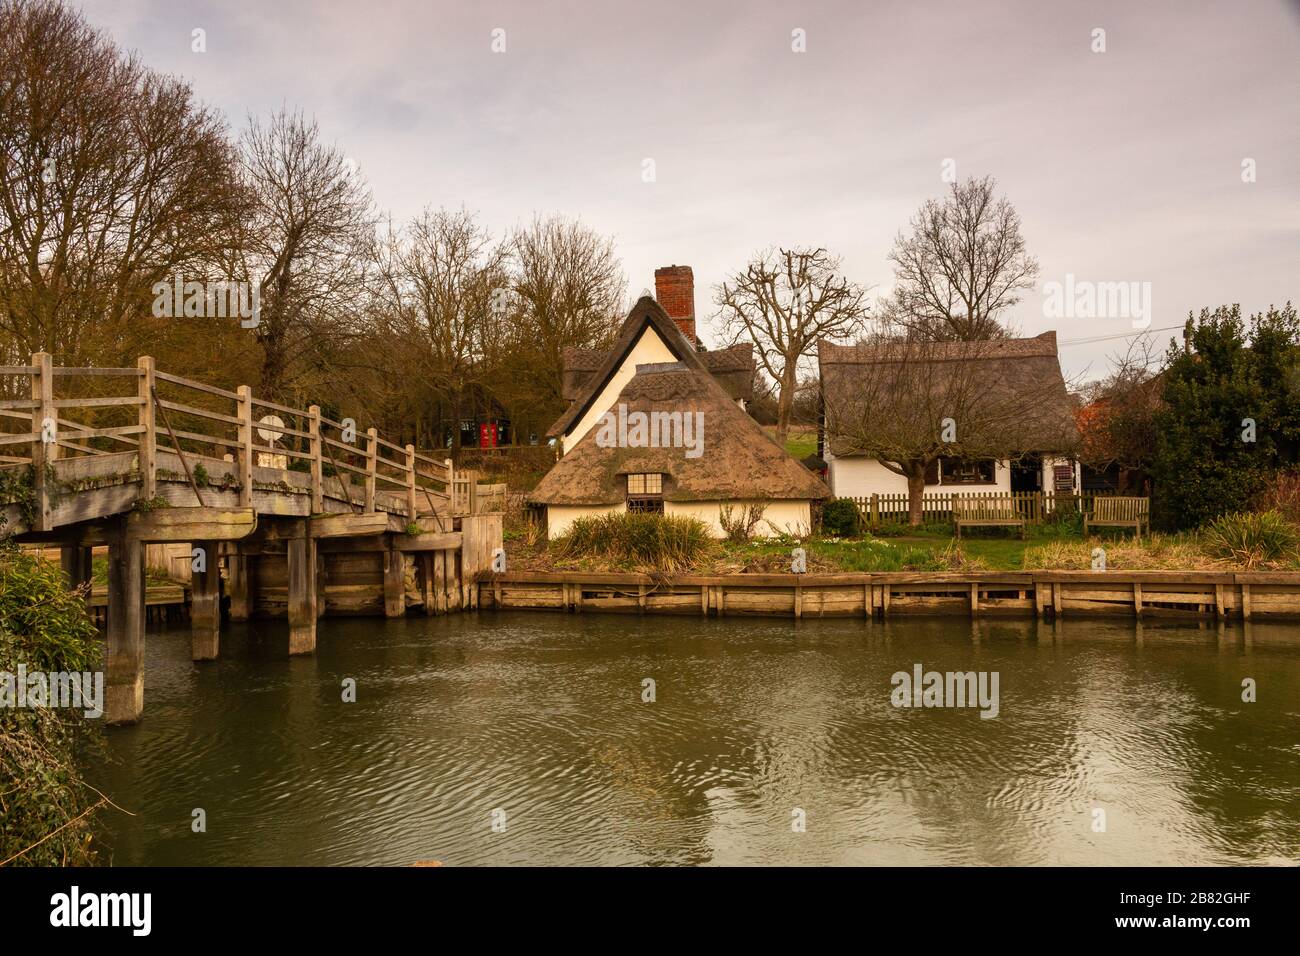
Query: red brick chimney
[675, 290]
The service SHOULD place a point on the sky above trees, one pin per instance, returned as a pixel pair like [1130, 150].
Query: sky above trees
[1124, 165]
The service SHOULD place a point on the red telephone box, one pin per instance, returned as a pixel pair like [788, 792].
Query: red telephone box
[487, 435]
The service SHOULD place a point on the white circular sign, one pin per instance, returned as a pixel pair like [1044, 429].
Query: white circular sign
[268, 435]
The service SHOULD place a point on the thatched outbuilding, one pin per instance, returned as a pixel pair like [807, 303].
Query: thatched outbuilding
[1011, 415]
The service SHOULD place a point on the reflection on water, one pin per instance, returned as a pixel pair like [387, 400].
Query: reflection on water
[541, 716]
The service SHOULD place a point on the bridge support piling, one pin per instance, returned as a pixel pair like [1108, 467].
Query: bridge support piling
[302, 594]
[394, 583]
[76, 563]
[322, 578]
[124, 664]
[237, 585]
[425, 560]
[205, 605]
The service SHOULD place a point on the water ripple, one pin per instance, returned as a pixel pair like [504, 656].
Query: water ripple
[524, 739]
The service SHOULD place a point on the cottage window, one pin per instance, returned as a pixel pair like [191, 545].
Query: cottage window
[960, 471]
[645, 493]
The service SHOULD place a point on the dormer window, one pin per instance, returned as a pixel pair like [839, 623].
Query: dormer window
[645, 493]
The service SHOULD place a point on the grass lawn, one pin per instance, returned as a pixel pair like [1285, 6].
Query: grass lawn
[1000, 550]
[800, 441]
[920, 550]
[928, 548]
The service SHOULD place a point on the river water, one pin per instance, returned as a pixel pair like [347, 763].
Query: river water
[525, 738]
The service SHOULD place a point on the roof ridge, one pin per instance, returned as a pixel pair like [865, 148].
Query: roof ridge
[1037, 346]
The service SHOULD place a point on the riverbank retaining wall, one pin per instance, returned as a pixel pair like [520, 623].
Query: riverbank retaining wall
[1049, 594]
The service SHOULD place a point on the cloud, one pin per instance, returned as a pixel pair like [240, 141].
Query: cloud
[1124, 165]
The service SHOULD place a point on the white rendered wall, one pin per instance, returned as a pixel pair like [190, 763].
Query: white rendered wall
[858, 477]
[794, 517]
[559, 517]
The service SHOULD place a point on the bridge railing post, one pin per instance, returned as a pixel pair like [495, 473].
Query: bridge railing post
[245, 403]
[317, 477]
[372, 455]
[145, 384]
[471, 492]
[410, 482]
[45, 429]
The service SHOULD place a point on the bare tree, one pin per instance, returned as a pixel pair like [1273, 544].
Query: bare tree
[441, 283]
[785, 301]
[908, 403]
[113, 179]
[1118, 422]
[569, 288]
[963, 265]
[305, 243]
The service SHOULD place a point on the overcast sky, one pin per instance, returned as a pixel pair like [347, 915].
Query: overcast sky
[1125, 165]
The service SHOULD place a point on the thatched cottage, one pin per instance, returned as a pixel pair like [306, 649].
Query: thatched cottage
[654, 424]
[882, 400]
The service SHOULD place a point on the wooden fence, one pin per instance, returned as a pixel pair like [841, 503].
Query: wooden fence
[936, 507]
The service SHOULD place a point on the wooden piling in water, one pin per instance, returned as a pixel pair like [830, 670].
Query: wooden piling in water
[124, 655]
[301, 552]
[237, 584]
[205, 604]
[394, 583]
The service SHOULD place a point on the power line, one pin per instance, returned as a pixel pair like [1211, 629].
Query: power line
[1121, 335]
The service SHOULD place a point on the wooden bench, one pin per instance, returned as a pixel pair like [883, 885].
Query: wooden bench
[1119, 512]
[990, 510]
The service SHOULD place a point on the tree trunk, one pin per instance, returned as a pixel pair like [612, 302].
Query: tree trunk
[915, 491]
[272, 335]
[273, 371]
[784, 406]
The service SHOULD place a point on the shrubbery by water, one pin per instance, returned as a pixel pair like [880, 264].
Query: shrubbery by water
[46, 807]
[1251, 539]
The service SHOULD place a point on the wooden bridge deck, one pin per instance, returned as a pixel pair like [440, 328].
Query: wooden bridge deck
[128, 456]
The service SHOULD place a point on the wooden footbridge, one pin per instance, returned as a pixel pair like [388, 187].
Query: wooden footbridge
[307, 515]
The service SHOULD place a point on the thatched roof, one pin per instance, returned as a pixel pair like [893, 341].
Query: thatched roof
[739, 460]
[586, 371]
[733, 368]
[1020, 376]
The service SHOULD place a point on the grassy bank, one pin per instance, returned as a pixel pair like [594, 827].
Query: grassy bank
[901, 548]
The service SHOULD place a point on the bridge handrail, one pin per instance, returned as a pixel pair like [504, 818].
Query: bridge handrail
[198, 386]
[51, 436]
